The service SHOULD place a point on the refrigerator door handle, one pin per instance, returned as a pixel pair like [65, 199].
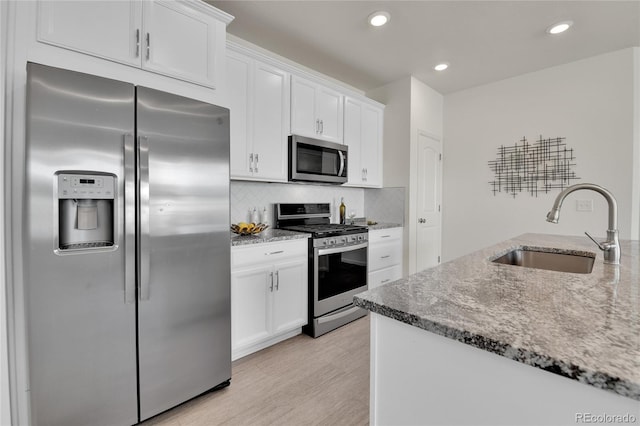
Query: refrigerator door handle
[144, 254]
[129, 219]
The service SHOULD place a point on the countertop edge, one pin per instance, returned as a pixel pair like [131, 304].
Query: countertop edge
[596, 379]
[383, 225]
[269, 236]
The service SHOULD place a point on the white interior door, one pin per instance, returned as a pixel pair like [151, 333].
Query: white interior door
[428, 229]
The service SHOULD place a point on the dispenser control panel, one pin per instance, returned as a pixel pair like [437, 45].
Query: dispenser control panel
[81, 186]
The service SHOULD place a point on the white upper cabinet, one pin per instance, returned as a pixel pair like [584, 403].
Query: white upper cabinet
[106, 29]
[182, 39]
[363, 127]
[316, 110]
[259, 103]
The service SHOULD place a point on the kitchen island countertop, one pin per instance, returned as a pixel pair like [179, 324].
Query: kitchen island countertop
[582, 326]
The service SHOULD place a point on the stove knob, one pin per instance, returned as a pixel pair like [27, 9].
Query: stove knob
[343, 240]
[359, 237]
[324, 242]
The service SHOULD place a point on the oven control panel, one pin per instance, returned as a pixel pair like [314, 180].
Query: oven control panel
[341, 240]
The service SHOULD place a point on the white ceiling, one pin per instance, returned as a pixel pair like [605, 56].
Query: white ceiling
[484, 41]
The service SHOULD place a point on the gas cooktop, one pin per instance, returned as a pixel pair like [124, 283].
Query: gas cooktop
[327, 229]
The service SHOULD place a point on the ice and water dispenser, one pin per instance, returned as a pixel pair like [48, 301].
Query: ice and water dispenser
[86, 204]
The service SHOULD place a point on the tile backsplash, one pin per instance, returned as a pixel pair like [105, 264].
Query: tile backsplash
[245, 196]
[385, 204]
[382, 205]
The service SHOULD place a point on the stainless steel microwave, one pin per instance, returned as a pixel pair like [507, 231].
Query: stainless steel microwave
[314, 160]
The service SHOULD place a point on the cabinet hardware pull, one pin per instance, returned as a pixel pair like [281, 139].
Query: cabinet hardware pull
[321, 126]
[271, 286]
[277, 280]
[274, 252]
[385, 236]
[251, 162]
[148, 45]
[137, 42]
[317, 126]
[384, 257]
[256, 167]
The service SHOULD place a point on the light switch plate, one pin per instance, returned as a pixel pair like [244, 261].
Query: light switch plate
[584, 205]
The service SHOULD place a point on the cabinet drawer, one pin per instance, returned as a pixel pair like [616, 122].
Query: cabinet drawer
[383, 276]
[384, 255]
[259, 254]
[384, 235]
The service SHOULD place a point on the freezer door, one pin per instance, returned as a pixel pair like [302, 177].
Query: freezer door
[184, 326]
[80, 319]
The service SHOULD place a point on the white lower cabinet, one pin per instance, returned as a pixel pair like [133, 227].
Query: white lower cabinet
[385, 256]
[268, 294]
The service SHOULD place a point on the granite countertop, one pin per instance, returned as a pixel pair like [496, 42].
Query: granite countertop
[582, 326]
[266, 236]
[383, 225]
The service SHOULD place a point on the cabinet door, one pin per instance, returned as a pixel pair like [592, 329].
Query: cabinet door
[371, 146]
[250, 306]
[353, 139]
[383, 276]
[329, 112]
[290, 296]
[181, 42]
[238, 87]
[270, 109]
[303, 108]
[106, 29]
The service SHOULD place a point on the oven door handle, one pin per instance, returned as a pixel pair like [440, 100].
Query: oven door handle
[322, 252]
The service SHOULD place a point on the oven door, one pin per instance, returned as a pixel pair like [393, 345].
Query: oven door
[338, 274]
[313, 160]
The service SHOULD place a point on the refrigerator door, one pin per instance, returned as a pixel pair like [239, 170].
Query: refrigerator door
[81, 330]
[184, 324]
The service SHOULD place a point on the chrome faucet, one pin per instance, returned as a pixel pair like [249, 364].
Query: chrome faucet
[611, 247]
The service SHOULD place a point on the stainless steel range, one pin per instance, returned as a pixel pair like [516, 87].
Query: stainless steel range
[337, 264]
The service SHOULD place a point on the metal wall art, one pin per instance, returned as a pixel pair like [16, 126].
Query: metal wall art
[539, 167]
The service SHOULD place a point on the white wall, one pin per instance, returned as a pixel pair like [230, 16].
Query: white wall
[410, 106]
[590, 102]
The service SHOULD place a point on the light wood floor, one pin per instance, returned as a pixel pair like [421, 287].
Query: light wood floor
[301, 381]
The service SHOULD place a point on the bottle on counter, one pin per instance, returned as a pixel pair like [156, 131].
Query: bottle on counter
[255, 216]
[343, 210]
[265, 216]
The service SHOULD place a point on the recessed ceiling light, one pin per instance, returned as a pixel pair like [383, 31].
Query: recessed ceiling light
[560, 27]
[378, 19]
[441, 67]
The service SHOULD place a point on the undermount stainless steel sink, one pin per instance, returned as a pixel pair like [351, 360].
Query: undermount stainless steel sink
[552, 261]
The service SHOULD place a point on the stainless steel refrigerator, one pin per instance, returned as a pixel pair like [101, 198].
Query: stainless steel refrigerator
[126, 249]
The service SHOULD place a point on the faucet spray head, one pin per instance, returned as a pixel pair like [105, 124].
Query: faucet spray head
[553, 215]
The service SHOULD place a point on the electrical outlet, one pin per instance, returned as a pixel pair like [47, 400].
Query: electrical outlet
[584, 205]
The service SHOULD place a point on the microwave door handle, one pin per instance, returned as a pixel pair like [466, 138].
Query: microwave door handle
[341, 155]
